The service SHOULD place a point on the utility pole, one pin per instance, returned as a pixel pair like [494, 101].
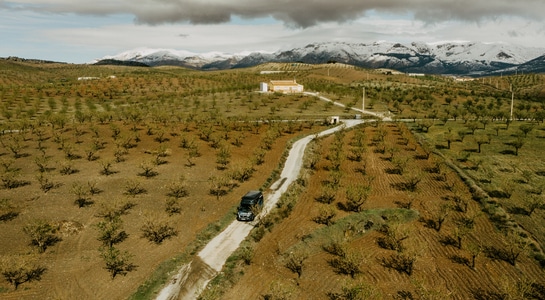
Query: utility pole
[363, 102]
[512, 100]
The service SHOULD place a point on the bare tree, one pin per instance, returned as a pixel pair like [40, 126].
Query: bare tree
[327, 194]
[294, 260]
[148, 170]
[533, 202]
[349, 263]
[106, 168]
[117, 261]
[18, 269]
[279, 291]
[403, 262]
[480, 140]
[474, 249]
[178, 189]
[517, 144]
[110, 231]
[439, 216]
[526, 128]
[156, 230]
[515, 245]
[134, 187]
[42, 234]
[393, 237]
[359, 290]
[223, 157]
[325, 215]
[411, 181]
[46, 183]
[357, 196]
[192, 153]
[81, 192]
[219, 186]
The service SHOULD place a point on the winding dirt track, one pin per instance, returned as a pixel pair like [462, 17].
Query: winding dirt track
[192, 278]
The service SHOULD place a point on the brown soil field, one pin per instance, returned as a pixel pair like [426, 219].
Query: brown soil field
[441, 269]
[74, 267]
[438, 226]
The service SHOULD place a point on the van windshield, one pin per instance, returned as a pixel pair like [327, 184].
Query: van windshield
[245, 208]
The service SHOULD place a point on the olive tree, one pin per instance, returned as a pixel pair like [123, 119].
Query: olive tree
[42, 234]
[117, 261]
[357, 196]
[110, 231]
[156, 230]
[18, 269]
[294, 260]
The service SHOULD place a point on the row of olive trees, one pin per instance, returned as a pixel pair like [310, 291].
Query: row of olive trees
[22, 268]
[222, 184]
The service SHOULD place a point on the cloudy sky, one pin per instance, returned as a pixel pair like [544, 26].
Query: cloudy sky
[79, 31]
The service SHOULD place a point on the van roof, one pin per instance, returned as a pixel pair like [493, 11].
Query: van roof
[252, 194]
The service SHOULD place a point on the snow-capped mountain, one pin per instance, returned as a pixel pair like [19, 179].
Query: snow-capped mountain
[160, 57]
[468, 58]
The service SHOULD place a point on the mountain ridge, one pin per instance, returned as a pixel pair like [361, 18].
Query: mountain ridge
[454, 58]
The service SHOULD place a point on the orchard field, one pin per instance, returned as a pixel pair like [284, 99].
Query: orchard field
[110, 183]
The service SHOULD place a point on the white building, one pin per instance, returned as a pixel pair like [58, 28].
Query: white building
[263, 87]
[285, 86]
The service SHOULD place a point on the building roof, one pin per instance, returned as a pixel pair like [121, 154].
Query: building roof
[285, 82]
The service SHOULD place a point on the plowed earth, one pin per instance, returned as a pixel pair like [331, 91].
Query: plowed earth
[441, 269]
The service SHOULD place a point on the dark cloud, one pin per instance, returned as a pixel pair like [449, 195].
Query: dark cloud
[513, 33]
[296, 13]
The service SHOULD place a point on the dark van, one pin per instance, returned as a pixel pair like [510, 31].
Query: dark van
[249, 206]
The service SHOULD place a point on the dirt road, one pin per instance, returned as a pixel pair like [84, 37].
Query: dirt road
[192, 278]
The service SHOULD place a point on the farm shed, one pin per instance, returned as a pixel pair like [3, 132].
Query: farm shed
[285, 86]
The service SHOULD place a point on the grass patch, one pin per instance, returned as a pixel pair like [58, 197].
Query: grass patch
[355, 225]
